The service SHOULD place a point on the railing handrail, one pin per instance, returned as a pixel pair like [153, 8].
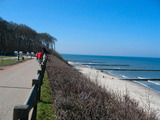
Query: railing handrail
[22, 111]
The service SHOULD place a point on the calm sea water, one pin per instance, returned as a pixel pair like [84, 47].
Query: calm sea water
[132, 62]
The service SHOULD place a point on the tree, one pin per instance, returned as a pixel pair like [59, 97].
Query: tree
[21, 37]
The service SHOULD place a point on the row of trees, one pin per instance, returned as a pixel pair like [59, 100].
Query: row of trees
[20, 37]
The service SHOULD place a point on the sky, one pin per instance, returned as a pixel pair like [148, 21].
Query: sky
[92, 27]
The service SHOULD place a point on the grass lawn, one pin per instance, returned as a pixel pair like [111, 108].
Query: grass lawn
[7, 62]
[11, 61]
[45, 106]
[6, 56]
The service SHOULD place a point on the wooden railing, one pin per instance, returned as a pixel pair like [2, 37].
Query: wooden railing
[29, 109]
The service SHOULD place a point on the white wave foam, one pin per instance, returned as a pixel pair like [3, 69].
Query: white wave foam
[141, 78]
[109, 72]
[154, 82]
[142, 84]
[146, 86]
[125, 76]
[88, 66]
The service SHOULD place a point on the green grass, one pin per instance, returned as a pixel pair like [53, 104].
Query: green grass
[45, 106]
[7, 62]
[11, 61]
[6, 56]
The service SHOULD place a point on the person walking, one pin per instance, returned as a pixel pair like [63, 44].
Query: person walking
[44, 57]
[37, 56]
[40, 57]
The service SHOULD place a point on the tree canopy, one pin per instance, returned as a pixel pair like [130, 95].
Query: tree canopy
[20, 37]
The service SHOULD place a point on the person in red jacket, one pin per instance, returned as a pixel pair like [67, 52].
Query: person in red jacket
[40, 57]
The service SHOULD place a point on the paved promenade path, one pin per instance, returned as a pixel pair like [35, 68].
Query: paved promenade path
[15, 86]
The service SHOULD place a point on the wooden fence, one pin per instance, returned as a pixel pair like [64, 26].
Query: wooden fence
[29, 108]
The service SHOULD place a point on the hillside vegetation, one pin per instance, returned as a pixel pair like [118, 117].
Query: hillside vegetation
[76, 98]
[20, 37]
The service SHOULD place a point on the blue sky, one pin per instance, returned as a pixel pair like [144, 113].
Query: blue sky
[93, 27]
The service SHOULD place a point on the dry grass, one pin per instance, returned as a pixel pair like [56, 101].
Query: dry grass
[76, 98]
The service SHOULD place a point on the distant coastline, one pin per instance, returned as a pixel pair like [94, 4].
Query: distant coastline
[111, 63]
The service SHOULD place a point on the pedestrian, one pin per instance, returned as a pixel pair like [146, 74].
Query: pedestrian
[37, 56]
[40, 57]
[44, 56]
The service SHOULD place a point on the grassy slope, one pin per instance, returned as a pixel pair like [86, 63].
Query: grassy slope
[45, 107]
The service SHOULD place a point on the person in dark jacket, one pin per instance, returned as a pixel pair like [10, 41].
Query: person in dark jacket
[37, 56]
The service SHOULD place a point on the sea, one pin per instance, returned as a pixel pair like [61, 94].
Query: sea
[145, 70]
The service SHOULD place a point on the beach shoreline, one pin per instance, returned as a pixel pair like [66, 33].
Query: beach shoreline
[146, 97]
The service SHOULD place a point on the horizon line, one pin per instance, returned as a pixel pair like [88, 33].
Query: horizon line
[110, 55]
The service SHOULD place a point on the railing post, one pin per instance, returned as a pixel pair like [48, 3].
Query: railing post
[20, 112]
[36, 83]
[34, 115]
[40, 76]
[42, 69]
[39, 72]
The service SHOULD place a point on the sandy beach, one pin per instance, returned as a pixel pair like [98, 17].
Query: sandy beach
[147, 98]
